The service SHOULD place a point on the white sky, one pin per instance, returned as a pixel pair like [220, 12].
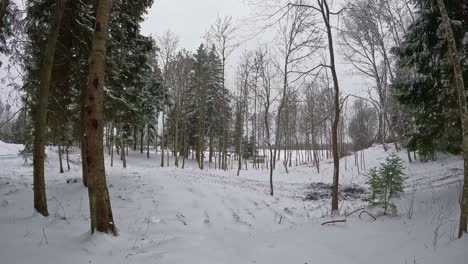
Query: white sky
[190, 19]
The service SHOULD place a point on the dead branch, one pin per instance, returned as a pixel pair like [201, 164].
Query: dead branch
[334, 221]
[357, 210]
[368, 214]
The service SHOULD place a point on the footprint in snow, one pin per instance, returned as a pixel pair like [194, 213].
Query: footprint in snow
[181, 218]
[207, 218]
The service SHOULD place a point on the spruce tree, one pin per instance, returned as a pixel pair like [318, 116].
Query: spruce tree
[387, 182]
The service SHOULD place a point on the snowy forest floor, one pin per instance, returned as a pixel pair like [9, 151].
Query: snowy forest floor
[170, 215]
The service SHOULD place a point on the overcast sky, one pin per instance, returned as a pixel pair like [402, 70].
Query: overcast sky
[190, 19]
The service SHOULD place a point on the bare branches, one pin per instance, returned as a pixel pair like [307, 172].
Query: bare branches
[11, 117]
[221, 35]
[167, 43]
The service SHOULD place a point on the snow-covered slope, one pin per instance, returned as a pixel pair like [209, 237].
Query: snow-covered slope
[170, 215]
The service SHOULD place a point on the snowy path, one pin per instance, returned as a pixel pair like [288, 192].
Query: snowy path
[169, 215]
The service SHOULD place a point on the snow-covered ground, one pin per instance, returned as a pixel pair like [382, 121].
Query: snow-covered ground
[170, 215]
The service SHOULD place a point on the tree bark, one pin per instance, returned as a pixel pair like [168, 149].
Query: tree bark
[84, 151]
[3, 9]
[148, 141]
[460, 86]
[68, 160]
[142, 136]
[122, 146]
[99, 201]
[60, 158]
[40, 124]
[112, 144]
[162, 140]
[176, 142]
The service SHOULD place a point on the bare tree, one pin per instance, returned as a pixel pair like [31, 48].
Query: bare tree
[267, 74]
[367, 37]
[244, 77]
[179, 75]
[299, 39]
[168, 44]
[324, 9]
[362, 125]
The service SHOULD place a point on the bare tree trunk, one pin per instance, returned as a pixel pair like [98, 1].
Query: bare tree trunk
[147, 141]
[40, 124]
[162, 140]
[112, 138]
[135, 142]
[142, 137]
[122, 146]
[68, 160]
[460, 86]
[176, 144]
[60, 158]
[185, 147]
[107, 136]
[99, 200]
[336, 159]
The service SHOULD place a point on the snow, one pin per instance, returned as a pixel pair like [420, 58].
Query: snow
[170, 215]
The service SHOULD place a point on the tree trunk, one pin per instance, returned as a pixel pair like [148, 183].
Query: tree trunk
[3, 9]
[162, 140]
[142, 136]
[122, 146]
[40, 124]
[176, 143]
[99, 200]
[112, 137]
[148, 141]
[68, 160]
[336, 159]
[135, 143]
[460, 86]
[409, 156]
[60, 158]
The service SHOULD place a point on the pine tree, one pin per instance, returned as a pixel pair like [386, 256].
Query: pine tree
[9, 25]
[423, 73]
[387, 182]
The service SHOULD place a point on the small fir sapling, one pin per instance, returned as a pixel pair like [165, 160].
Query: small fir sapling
[387, 182]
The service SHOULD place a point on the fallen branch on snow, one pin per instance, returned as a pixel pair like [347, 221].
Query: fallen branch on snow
[334, 221]
[368, 214]
[344, 220]
[357, 210]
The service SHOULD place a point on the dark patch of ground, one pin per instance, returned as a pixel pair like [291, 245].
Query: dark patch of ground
[322, 191]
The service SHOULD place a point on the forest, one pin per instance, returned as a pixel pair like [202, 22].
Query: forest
[307, 131]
